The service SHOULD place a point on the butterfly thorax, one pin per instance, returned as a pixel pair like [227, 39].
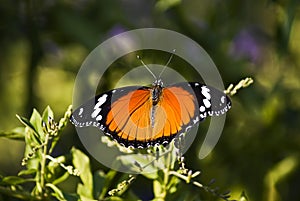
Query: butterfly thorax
[156, 94]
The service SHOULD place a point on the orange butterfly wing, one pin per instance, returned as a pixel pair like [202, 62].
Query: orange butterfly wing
[177, 107]
[132, 117]
[128, 117]
[135, 119]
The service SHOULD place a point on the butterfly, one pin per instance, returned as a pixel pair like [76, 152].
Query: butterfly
[143, 116]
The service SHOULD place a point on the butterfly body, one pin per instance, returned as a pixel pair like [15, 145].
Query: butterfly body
[140, 116]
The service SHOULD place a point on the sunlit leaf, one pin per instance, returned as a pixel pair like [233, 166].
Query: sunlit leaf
[27, 123]
[36, 121]
[86, 199]
[151, 175]
[61, 178]
[57, 193]
[47, 113]
[82, 163]
[157, 189]
[27, 172]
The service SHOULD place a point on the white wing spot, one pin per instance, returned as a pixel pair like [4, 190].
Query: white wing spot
[196, 120]
[196, 84]
[99, 117]
[205, 91]
[223, 99]
[202, 116]
[206, 103]
[80, 112]
[101, 100]
[96, 112]
[202, 108]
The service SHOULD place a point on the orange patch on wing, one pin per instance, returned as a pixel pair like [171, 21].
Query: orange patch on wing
[178, 106]
[130, 115]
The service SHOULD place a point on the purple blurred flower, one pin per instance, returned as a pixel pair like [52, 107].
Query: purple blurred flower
[115, 30]
[248, 44]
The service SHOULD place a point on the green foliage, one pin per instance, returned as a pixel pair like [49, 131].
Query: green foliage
[40, 135]
[45, 172]
[43, 44]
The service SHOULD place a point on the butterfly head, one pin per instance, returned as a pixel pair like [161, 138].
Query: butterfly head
[158, 82]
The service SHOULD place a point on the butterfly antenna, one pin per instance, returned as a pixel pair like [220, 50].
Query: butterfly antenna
[139, 58]
[167, 63]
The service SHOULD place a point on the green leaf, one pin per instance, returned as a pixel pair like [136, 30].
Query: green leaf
[14, 180]
[81, 192]
[99, 181]
[16, 134]
[36, 121]
[151, 175]
[57, 193]
[56, 173]
[108, 180]
[86, 199]
[26, 123]
[27, 172]
[82, 163]
[158, 189]
[47, 113]
[61, 178]
[34, 137]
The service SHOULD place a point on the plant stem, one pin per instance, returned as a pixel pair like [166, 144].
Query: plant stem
[43, 163]
[185, 178]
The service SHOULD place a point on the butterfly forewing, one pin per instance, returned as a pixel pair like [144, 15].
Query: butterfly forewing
[94, 112]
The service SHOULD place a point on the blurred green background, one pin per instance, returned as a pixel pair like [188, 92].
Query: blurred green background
[43, 44]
